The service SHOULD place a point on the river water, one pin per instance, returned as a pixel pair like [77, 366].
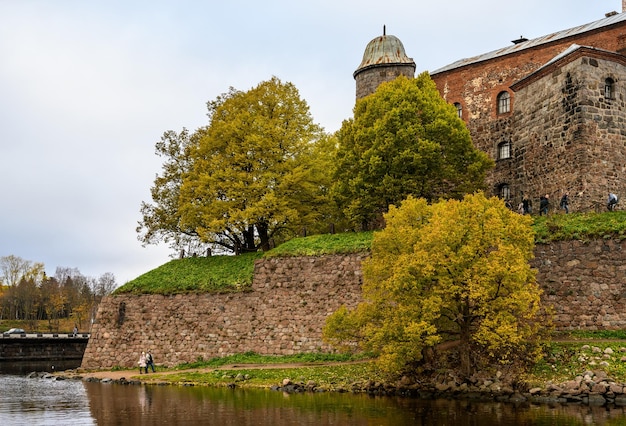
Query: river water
[39, 401]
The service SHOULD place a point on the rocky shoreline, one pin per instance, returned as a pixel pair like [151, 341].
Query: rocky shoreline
[594, 388]
[591, 388]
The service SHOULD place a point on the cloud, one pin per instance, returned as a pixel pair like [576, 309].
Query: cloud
[87, 89]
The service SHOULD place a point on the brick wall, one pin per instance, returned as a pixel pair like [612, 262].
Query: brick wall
[536, 124]
[291, 298]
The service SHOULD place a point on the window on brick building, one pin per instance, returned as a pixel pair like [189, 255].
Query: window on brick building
[504, 150]
[504, 102]
[609, 88]
[504, 191]
[459, 109]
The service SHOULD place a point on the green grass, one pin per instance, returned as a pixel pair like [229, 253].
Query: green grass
[254, 358]
[333, 377]
[234, 273]
[324, 244]
[580, 226]
[590, 335]
[220, 274]
[340, 375]
[215, 274]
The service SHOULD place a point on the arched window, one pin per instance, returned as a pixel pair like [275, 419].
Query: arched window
[504, 150]
[459, 109]
[504, 102]
[504, 191]
[609, 88]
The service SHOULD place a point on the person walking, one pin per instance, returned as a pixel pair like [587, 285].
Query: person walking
[565, 202]
[527, 205]
[544, 202]
[149, 361]
[612, 201]
[142, 363]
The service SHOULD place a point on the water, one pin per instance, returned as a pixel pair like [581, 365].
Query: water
[34, 402]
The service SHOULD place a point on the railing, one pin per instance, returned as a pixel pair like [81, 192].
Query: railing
[45, 335]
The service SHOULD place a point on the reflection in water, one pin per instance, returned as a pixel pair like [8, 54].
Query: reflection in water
[130, 405]
[50, 402]
[26, 367]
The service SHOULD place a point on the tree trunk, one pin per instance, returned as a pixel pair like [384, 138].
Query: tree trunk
[262, 229]
[248, 237]
[464, 348]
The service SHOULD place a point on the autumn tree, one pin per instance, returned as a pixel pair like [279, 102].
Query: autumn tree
[404, 140]
[35, 296]
[252, 178]
[455, 273]
[161, 220]
[14, 269]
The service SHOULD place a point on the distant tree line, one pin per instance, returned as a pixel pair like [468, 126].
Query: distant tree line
[27, 293]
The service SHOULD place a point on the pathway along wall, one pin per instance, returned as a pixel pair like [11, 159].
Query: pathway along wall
[291, 298]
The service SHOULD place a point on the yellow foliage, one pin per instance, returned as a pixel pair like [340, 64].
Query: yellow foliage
[452, 270]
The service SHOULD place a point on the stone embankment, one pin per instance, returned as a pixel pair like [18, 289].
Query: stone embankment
[589, 388]
[286, 309]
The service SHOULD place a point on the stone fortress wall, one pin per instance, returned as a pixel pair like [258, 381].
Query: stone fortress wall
[285, 311]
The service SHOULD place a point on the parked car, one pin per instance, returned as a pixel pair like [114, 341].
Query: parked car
[15, 331]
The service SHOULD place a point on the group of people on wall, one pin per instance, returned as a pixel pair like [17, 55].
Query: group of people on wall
[146, 361]
[526, 205]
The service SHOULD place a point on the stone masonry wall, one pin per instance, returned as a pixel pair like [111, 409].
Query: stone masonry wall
[291, 298]
[368, 80]
[283, 314]
[568, 135]
[585, 282]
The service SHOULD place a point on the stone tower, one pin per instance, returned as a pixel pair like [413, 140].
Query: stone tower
[384, 60]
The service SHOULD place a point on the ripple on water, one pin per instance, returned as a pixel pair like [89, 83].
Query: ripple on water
[39, 401]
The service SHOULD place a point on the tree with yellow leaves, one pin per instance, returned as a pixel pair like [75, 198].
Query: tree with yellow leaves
[453, 273]
[253, 177]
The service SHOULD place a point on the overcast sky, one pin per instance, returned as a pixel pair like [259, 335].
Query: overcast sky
[88, 87]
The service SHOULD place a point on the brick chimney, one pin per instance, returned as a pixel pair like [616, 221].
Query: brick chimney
[623, 6]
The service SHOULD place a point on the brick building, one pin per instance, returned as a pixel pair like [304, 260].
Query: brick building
[551, 111]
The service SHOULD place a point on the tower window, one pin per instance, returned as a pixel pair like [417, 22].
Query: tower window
[504, 102]
[609, 88]
[459, 109]
[504, 150]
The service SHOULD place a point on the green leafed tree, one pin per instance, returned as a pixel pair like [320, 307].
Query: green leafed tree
[404, 140]
[254, 177]
[449, 274]
[161, 221]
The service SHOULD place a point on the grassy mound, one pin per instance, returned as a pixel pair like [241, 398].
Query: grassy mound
[219, 274]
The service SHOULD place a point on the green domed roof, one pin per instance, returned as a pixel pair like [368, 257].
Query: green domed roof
[384, 50]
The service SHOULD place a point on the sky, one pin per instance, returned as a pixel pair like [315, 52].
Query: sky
[88, 87]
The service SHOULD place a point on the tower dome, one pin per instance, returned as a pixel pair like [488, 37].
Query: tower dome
[384, 60]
